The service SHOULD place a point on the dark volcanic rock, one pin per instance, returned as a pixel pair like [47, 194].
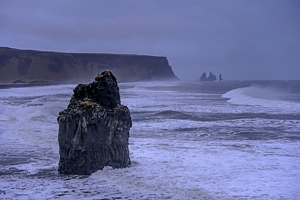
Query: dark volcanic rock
[203, 77]
[29, 65]
[211, 77]
[94, 129]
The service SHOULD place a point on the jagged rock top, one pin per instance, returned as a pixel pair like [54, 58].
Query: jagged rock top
[103, 91]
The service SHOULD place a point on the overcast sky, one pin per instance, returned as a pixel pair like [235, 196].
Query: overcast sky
[241, 39]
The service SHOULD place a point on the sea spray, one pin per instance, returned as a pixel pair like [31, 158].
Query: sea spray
[187, 141]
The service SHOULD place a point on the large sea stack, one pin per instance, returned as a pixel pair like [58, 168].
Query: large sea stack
[94, 129]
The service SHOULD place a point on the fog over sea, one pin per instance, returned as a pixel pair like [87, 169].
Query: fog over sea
[189, 140]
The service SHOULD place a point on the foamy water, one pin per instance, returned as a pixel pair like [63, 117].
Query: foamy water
[272, 98]
[189, 140]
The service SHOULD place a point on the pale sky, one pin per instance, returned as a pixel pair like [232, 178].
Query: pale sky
[241, 39]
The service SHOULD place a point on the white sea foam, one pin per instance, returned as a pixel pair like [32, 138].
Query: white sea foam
[267, 97]
[196, 170]
[37, 91]
[164, 161]
[32, 112]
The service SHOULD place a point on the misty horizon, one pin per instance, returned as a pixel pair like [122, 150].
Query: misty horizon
[242, 40]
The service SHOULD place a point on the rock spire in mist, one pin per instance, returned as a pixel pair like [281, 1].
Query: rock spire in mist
[211, 77]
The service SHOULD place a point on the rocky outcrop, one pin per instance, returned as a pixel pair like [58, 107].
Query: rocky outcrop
[39, 66]
[211, 77]
[203, 77]
[220, 77]
[94, 129]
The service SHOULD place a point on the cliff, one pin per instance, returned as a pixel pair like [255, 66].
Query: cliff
[40, 66]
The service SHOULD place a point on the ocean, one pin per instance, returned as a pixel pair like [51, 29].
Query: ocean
[189, 140]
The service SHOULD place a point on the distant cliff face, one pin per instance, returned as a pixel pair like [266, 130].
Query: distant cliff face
[29, 65]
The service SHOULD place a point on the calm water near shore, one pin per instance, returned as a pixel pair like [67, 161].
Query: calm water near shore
[189, 140]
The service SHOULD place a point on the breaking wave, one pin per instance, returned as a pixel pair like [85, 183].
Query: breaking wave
[271, 97]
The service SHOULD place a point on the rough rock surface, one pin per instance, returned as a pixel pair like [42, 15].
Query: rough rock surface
[94, 129]
[41, 66]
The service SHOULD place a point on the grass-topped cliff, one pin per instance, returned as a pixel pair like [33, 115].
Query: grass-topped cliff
[40, 66]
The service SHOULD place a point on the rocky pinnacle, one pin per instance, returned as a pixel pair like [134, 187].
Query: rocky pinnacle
[94, 129]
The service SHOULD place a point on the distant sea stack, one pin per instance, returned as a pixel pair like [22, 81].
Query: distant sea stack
[211, 77]
[94, 129]
[39, 66]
